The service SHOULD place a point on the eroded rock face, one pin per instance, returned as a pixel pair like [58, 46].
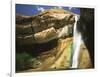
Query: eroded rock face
[48, 23]
[50, 36]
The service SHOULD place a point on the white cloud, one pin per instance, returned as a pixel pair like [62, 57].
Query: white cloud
[70, 8]
[59, 7]
[40, 9]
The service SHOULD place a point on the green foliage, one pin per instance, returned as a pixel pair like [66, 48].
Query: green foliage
[35, 63]
[25, 61]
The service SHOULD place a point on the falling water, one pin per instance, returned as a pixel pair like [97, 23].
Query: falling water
[76, 44]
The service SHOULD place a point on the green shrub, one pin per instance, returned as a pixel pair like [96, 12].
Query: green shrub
[25, 61]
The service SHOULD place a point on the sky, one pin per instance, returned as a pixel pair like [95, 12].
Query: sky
[29, 10]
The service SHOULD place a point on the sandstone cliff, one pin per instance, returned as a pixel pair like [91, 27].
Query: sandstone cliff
[50, 35]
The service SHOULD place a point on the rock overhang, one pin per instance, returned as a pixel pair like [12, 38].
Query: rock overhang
[47, 23]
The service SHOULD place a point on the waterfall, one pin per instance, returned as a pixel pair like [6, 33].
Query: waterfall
[76, 44]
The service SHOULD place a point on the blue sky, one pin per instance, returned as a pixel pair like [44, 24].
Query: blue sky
[29, 10]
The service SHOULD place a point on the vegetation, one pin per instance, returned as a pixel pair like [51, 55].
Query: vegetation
[24, 61]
